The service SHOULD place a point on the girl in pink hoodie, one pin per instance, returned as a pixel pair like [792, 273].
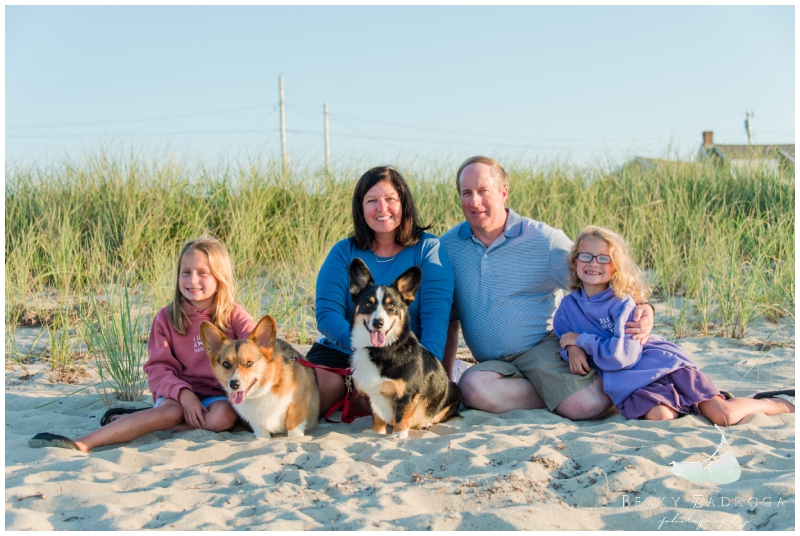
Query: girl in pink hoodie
[186, 393]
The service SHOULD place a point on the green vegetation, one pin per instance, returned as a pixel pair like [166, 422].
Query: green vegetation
[117, 333]
[722, 243]
[63, 353]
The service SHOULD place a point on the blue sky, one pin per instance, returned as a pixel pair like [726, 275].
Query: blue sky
[531, 83]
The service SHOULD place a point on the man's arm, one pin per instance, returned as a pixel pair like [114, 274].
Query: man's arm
[641, 324]
[451, 347]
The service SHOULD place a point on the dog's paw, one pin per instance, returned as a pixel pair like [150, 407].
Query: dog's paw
[379, 431]
[261, 434]
[297, 432]
[400, 435]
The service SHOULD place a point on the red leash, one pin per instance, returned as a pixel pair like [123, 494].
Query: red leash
[348, 416]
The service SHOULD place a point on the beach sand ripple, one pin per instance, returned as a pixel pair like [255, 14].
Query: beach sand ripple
[523, 470]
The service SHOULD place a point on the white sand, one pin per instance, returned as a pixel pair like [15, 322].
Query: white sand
[528, 470]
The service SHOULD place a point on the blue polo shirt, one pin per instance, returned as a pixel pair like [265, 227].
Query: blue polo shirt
[506, 294]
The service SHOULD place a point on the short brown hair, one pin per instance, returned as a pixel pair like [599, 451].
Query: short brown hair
[498, 173]
[409, 232]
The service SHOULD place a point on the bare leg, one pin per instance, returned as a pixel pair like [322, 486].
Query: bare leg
[167, 415]
[660, 413]
[727, 412]
[220, 417]
[489, 391]
[588, 403]
[331, 390]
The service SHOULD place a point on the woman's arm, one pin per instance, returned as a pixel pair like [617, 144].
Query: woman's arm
[332, 293]
[451, 347]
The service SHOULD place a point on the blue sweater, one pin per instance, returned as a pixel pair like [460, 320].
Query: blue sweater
[623, 364]
[429, 312]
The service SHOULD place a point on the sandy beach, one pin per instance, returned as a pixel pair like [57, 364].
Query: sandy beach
[522, 470]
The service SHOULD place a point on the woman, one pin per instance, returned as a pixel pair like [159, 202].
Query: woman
[389, 239]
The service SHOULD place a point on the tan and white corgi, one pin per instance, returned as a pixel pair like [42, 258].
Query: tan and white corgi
[267, 388]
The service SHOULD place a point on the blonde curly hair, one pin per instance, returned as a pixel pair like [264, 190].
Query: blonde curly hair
[628, 279]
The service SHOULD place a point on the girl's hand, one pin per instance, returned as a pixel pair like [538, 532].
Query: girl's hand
[193, 410]
[568, 339]
[578, 364]
[642, 323]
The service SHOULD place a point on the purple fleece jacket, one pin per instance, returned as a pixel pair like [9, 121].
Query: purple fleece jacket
[623, 364]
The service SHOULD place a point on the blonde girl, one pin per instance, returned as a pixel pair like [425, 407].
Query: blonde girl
[654, 380]
[185, 391]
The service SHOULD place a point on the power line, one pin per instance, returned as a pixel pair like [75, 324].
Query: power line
[461, 133]
[129, 80]
[303, 111]
[140, 120]
[380, 139]
[518, 139]
[367, 136]
[361, 135]
[302, 97]
[529, 143]
[252, 129]
[123, 134]
[492, 136]
[450, 96]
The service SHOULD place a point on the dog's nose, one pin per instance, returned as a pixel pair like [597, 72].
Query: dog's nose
[377, 323]
[234, 384]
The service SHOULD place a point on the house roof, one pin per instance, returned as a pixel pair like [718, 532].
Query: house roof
[753, 152]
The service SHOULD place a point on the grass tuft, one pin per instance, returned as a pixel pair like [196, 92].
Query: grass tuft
[117, 337]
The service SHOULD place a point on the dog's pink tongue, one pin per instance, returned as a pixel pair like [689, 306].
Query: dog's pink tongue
[377, 338]
[237, 397]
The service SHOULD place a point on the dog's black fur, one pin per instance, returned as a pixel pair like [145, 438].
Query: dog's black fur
[406, 385]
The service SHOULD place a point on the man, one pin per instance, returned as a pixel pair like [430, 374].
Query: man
[508, 271]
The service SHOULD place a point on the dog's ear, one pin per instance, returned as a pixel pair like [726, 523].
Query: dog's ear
[360, 276]
[212, 338]
[408, 283]
[265, 332]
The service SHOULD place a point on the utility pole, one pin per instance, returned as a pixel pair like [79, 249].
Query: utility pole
[327, 143]
[748, 126]
[284, 153]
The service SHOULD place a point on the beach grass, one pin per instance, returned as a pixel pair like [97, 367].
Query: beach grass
[722, 242]
[117, 331]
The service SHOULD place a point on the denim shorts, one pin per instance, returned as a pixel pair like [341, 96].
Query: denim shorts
[206, 401]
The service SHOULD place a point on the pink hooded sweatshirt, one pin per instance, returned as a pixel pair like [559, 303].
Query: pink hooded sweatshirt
[180, 361]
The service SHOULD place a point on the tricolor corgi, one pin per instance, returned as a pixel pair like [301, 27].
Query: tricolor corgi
[405, 384]
[266, 386]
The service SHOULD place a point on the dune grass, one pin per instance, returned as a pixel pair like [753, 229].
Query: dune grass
[722, 242]
[117, 332]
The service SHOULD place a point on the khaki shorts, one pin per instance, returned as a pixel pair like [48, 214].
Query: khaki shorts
[543, 367]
